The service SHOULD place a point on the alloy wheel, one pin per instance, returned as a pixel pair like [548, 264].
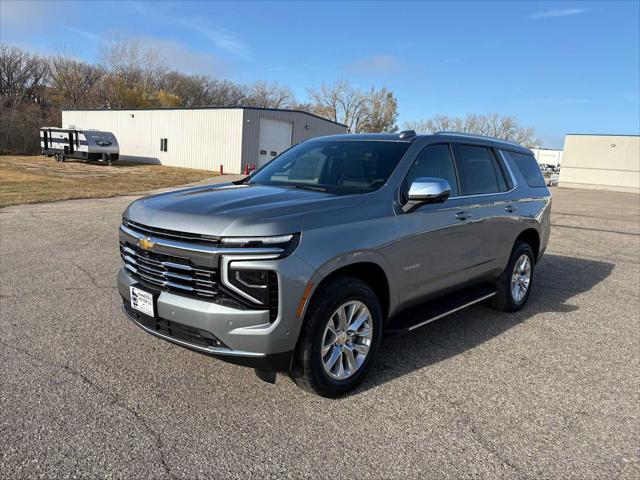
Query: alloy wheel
[521, 278]
[346, 340]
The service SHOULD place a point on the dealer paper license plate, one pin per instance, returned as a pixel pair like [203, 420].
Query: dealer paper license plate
[142, 301]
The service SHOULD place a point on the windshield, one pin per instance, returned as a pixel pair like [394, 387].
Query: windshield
[338, 167]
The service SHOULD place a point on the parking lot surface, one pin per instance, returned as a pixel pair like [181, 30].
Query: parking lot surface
[549, 392]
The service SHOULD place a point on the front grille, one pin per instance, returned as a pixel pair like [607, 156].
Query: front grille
[168, 271]
[171, 234]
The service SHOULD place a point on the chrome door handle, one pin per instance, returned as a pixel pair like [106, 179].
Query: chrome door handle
[463, 215]
[510, 208]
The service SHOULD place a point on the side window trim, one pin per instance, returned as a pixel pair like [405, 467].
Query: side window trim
[501, 168]
[512, 177]
[405, 186]
[513, 182]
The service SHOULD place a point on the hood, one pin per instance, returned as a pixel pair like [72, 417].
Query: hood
[235, 210]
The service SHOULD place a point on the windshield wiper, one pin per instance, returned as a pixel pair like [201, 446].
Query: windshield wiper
[310, 187]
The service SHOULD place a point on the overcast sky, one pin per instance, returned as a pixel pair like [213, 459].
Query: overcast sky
[560, 67]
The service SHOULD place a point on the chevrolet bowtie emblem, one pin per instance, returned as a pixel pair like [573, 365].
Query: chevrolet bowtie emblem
[145, 243]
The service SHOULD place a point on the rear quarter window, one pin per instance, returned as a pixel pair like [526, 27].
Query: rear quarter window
[529, 168]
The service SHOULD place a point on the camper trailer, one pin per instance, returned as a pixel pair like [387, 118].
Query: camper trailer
[63, 143]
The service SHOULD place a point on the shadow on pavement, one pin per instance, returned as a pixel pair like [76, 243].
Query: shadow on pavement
[557, 280]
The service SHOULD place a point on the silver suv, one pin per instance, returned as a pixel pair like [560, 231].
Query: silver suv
[301, 266]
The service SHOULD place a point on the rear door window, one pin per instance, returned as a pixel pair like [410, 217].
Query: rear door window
[478, 170]
[528, 167]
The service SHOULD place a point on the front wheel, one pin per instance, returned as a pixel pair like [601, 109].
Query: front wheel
[514, 285]
[340, 338]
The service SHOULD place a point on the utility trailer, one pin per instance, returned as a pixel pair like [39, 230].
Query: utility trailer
[63, 143]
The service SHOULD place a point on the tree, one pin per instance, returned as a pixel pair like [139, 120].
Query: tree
[24, 99]
[75, 82]
[134, 74]
[495, 125]
[381, 112]
[339, 102]
[264, 95]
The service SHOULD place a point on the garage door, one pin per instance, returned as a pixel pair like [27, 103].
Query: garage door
[275, 137]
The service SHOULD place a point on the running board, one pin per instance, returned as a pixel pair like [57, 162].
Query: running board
[419, 316]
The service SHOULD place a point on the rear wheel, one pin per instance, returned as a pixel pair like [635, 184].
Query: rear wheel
[514, 285]
[340, 338]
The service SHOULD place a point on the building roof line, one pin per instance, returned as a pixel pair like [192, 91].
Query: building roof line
[604, 134]
[239, 107]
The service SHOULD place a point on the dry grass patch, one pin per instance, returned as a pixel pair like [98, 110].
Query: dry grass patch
[33, 179]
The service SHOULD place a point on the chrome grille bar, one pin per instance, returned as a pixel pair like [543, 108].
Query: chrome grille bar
[158, 270]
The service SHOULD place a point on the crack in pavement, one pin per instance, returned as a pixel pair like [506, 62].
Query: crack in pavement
[115, 400]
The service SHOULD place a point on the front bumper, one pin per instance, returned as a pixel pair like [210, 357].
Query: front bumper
[277, 362]
[248, 336]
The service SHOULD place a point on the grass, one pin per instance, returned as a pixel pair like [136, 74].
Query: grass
[34, 179]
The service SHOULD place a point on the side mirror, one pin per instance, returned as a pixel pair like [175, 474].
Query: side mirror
[427, 190]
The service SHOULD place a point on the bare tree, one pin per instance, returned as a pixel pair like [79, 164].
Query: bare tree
[264, 95]
[495, 125]
[223, 93]
[75, 82]
[133, 74]
[381, 112]
[341, 103]
[23, 98]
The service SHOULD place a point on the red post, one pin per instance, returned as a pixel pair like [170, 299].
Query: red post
[253, 166]
[221, 172]
[246, 169]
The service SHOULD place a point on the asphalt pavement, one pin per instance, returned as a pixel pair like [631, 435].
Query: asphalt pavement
[549, 392]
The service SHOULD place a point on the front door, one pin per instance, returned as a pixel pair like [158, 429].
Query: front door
[274, 138]
[431, 253]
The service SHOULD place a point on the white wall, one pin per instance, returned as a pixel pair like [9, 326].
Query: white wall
[198, 138]
[607, 162]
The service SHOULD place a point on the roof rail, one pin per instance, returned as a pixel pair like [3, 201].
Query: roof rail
[472, 135]
[407, 134]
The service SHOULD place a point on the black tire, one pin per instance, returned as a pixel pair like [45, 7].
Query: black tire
[504, 299]
[308, 371]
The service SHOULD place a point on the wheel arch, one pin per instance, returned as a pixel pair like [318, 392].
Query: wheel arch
[531, 237]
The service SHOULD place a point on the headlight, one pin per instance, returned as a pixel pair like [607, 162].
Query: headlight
[254, 284]
[259, 286]
[287, 243]
[257, 241]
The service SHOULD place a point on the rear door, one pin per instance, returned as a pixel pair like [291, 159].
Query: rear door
[485, 191]
[274, 138]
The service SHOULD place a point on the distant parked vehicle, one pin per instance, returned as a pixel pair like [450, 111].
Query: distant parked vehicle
[547, 168]
[63, 143]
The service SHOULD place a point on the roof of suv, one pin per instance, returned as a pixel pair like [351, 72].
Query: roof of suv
[409, 136]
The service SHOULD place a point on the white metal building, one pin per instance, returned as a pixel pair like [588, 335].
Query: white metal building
[204, 138]
[548, 156]
[604, 162]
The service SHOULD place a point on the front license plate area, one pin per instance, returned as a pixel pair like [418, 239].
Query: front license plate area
[142, 301]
